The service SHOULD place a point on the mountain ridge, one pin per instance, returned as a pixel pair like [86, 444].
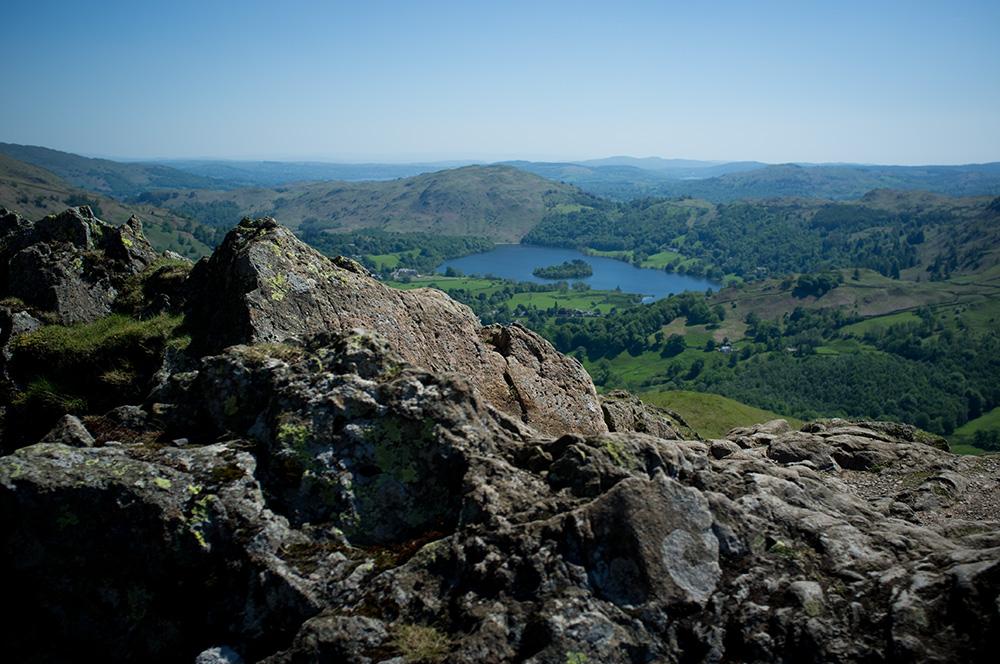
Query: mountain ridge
[111, 178]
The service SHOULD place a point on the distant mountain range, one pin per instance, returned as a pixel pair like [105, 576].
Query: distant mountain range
[720, 183]
[620, 177]
[274, 173]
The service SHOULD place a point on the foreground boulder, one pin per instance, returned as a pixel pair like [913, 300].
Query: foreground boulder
[70, 266]
[265, 285]
[330, 501]
[336, 471]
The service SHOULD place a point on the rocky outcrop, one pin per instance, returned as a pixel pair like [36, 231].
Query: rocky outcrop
[624, 411]
[263, 285]
[339, 472]
[71, 265]
[332, 502]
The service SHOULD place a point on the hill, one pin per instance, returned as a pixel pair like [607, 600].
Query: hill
[35, 192]
[628, 179]
[840, 182]
[897, 233]
[111, 178]
[498, 202]
[275, 173]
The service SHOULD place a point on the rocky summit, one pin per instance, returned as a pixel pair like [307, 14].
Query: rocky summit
[329, 470]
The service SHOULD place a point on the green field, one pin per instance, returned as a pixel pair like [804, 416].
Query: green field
[617, 255]
[860, 328]
[633, 372]
[472, 284]
[661, 259]
[712, 415]
[987, 422]
[390, 261]
[602, 301]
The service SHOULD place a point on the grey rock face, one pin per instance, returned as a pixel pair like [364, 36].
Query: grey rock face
[70, 265]
[219, 655]
[69, 431]
[362, 509]
[371, 476]
[265, 285]
[626, 412]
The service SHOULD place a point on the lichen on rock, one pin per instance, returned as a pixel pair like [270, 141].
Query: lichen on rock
[345, 473]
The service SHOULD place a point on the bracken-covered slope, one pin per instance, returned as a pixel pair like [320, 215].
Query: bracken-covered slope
[497, 202]
[358, 495]
[110, 178]
[34, 192]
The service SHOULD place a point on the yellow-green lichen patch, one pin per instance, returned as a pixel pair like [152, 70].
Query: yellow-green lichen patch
[279, 286]
[619, 454]
[293, 432]
[199, 519]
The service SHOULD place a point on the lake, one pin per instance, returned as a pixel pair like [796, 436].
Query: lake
[516, 261]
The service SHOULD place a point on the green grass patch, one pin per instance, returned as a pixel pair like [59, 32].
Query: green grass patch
[965, 448]
[987, 422]
[617, 255]
[712, 415]
[86, 368]
[861, 327]
[67, 345]
[602, 301]
[961, 441]
[164, 277]
[390, 261]
[567, 208]
[472, 284]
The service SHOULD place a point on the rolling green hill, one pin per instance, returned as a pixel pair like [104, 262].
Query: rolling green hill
[496, 202]
[112, 178]
[841, 182]
[34, 192]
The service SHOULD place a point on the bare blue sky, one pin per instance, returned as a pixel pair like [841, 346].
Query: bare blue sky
[877, 82]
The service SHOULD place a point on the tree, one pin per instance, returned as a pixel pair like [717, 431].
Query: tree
[675, 345]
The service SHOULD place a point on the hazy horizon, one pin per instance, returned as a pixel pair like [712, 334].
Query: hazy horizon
[906, 83]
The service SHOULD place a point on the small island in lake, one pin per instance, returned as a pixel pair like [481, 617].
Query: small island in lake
[574, 269]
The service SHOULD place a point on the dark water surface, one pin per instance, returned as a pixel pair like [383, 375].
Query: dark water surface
[516, 261]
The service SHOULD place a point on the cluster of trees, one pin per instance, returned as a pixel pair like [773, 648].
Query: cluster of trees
[574, 269]
[818, 284]
[422, 252]
[987, 440]
[214, 219]
[922, 372]
[747, 238]
[630, 329]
